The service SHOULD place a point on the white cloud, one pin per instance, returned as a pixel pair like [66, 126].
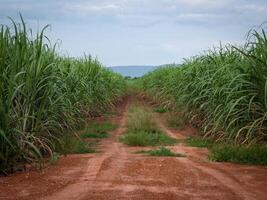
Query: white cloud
[258, 8]
[196, 2]
[142, 31]
[88, 8]
[197, 16]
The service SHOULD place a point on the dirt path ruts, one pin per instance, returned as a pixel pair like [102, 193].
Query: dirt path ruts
[118, 173]
[111, 151]
[217, 171]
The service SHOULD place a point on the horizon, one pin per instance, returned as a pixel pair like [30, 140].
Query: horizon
[131, 65]
[133, 71]
[139, 32]
[135, 65]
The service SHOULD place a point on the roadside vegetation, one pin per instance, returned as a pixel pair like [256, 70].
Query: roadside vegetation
[224, 90]
[160, 109]
[223, 93]
[173, 118]
[72, 144]
[254, 154]
[86, 140]
[142, 129]
[230, 152]
[198, 142]
[44, 95]
[98, 130]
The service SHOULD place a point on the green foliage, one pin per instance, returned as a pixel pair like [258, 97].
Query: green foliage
[255, 154]
[199, 142]
[162, 151]
[42, 94]
[94, 135]
[175, 121]
[142, 130]
[80, 147]
[160, 109]
[100, 127]
[143, 138]
[98, 130]
[230, 152]
[223, 91]
[74, 145]
[140, 118]
[54, 158]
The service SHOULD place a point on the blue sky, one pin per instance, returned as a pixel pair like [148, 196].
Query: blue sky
[139, 32]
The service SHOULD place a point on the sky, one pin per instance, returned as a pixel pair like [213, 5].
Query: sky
[138, 32]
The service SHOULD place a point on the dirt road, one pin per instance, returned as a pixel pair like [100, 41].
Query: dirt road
[117, 172]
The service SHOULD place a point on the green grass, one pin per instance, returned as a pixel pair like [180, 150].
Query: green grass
[140, 118]
[142, 129]
[256, 154]
[175, 121]
[98, 130]
[230, 152]
[160, 109]
[54, 158]
[143, 138]
[74, 145]
[100, 127]
[162, 151]
[198, 142]
[94, 135]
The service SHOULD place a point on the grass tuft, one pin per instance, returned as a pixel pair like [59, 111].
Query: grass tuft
[162, 151]
[256, 155]
[140, 118]
[160, 109]
[100, 127]
[175, 120]
[94, 135]
[54, 158]
[74, 145]
[98, 130]
[142, 129]
[143, 138]
[198, 142]
[230, 152]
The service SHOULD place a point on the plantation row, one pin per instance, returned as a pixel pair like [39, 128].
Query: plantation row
[42, 95]
[223, 91]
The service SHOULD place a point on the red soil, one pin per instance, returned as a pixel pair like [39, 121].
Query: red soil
[118, 173]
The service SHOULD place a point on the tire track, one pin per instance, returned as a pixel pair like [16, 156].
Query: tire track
[225, 180]
[80, 188]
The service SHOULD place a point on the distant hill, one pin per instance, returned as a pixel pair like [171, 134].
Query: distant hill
[133, 70]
